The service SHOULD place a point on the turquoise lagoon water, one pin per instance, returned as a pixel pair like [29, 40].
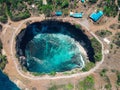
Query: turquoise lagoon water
[6, 84]
[53, 52]
[52, 46]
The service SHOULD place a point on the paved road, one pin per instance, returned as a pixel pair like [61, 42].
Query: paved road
[81, 74]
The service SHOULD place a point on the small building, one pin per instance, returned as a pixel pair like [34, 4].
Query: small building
[77, 15]
[33, 6]
[58, 13]
[71, 13]
[44, 2]
[95, 16]
[82, 1]
[106, 40]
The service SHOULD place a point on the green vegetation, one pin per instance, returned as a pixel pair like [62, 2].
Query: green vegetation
[62, 87]
[106, 79]
[46, 9]
[111, 46]
[53, 73]
[3, 59]
[117, 39]
[118, 1]
[37, 74]
[119, 17]
[0, 46]
[41, 74]
[97, 49]
[98, 54]
[88, 66]
[118, 78]
[78, 26]
[108, 85]
[3, 16]
[54, 87]
[17, 11]
[20, 9]
[103, 72]
[65, 4]
[110, 8]
[86, 84]
[103, 33]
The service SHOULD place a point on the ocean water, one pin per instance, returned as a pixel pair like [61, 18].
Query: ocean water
[53, 52]
[6, 83]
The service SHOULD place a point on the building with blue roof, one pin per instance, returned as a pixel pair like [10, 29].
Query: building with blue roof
[58, 13]
[82, 1]
[77, 15]
[96, 16]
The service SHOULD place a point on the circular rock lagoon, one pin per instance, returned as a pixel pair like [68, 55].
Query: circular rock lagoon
[53, 46]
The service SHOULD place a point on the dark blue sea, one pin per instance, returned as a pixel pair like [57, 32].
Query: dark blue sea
[6, 83]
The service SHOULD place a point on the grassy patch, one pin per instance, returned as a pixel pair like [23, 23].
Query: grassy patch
[97, 49]
[17, 10]
[108, 85]
[118, 1]
[37, 74]
[3, 16]
[103, 72]
[78, 26]
[110, 8]
[118, 78]
[61, 87]
[88, 66]
[106, 79]
[86, 84]
[41, 74]
[103, 33]
[3, 59]
[119, 17]
[53, 73]
[117, 39]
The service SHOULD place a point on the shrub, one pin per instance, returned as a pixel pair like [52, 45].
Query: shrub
[118, 78]
[117, 39]
[97, 49]
[103, 33]
[86, 84]
[53, 73]
[119, 17]
[65, 4]
[103, 72]
[88, 66]
[3, 61]
[110, 9]
[0, 46]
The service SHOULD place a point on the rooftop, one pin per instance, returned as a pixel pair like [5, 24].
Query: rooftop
[82, 1]
[58, 13]
[77, 15]
[95, 16]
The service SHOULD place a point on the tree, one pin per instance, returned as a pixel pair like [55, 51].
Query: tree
[65, 4]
